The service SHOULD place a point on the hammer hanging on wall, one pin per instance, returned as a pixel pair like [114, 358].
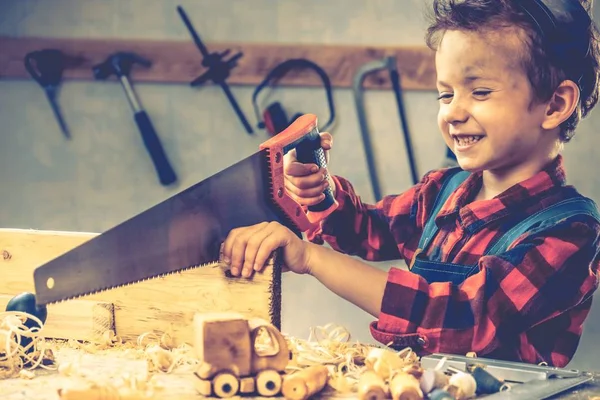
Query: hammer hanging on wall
[120, 64]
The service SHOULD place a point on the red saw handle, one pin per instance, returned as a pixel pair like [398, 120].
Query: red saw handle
[302, 135]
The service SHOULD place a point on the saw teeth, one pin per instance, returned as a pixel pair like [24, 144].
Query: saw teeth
[179, 271]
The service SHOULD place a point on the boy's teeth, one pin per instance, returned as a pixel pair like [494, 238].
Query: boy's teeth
[466, 140]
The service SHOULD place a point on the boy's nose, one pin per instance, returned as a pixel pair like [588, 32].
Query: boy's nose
[454, 112]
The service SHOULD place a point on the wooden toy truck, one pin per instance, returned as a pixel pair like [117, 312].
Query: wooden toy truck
[238, 355]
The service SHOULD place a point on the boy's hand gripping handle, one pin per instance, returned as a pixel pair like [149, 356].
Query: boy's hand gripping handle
[302, 135]
[309, 151]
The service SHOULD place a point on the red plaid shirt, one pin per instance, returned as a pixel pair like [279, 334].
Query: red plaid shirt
[528, 304]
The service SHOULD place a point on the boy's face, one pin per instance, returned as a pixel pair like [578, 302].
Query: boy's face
[486, 115]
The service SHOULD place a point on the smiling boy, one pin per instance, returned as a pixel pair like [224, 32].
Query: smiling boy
[502, 253]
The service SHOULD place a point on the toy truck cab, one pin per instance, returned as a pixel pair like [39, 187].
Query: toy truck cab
[238, 355]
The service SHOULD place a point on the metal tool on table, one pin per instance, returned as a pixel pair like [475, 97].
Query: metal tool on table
[186, 230]
[120, 64]
[525, 381]
[388, 63]
[46, 67]
[218, 69]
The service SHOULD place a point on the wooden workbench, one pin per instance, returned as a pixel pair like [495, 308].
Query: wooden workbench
[178, 384]
[132, 311]
[587, 391]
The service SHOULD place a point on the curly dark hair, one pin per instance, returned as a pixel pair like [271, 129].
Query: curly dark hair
[543, 72]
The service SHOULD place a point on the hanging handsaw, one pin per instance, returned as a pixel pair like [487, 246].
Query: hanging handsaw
[186, 230]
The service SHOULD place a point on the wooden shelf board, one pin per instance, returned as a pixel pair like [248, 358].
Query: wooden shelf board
[181, 61]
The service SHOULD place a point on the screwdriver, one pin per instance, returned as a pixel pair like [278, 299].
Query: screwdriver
[46, 67]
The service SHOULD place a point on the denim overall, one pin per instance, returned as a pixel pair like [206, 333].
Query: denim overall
[435, 271]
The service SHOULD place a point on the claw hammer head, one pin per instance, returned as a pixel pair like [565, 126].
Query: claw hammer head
[119, 64]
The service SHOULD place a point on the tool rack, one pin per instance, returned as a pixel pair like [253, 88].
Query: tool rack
[180, 61]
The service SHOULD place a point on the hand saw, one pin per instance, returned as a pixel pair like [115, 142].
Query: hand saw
[186, 230]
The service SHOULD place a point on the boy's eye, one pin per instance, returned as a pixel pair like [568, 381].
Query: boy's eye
[482, 93]
[444, 96]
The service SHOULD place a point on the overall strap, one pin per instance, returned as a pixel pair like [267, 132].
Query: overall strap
[455, 177]
[546, 218]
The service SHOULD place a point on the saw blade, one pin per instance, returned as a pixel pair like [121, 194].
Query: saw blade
[182, 232]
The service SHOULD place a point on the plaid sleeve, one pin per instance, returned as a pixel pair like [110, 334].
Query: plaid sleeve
[387, 230]
[537, 282]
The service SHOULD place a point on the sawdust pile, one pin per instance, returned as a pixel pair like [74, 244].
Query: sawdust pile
[22, 349]
[370, 371]
[87, 385]
[328, 345]
[161, 352]
[347, 361]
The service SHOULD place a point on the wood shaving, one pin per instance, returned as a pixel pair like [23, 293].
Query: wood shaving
[386, 362]
[160, 359]
[26, 374]
[331, 345]
[108, 340]
[14, 357]
[161, 352]
[67, 368]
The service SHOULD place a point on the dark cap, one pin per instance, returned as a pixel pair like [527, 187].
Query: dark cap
[563, 25]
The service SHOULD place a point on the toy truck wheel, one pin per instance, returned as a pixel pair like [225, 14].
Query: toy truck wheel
[268, 383]
[225, 385]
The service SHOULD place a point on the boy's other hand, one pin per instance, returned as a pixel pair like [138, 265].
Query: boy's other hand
[247, 249]
[306, 183]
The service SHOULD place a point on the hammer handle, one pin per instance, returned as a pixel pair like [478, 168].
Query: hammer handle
[165, 172]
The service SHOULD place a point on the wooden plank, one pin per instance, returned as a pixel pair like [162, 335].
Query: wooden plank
[180, 61]
[75, 319]
[156, 305]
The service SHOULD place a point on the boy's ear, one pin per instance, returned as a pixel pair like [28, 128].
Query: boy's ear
[561, 106]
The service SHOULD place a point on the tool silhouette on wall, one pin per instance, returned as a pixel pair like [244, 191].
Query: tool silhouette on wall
[218, 68]
[46, 67]
[120, 64]
[388, 63]
[274, 117]
[397, 89]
